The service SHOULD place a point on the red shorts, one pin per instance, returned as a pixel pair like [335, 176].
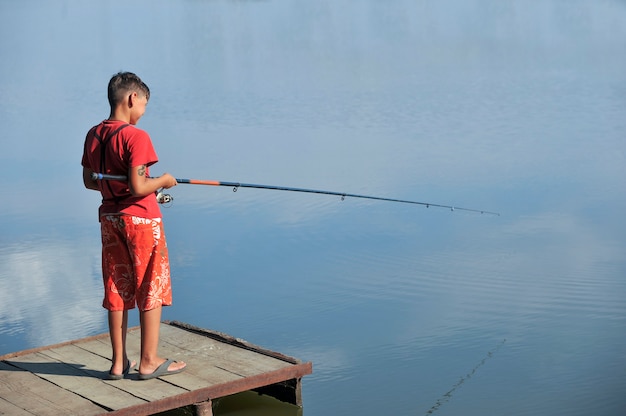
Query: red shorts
[135, 264]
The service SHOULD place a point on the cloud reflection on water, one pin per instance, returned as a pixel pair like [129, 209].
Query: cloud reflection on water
[51, 291]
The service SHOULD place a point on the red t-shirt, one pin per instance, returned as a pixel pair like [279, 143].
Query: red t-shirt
[125, 146]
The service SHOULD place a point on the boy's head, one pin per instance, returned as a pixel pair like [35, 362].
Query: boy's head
[122, 85]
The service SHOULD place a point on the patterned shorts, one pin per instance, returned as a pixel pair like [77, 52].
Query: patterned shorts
[135, 263]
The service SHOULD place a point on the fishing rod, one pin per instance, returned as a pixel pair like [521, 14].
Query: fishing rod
[343, 195]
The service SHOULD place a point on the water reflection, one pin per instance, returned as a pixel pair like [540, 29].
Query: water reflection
[51, 292]
[242, 403]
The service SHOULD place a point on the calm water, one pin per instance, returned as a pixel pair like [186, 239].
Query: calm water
[517, 107]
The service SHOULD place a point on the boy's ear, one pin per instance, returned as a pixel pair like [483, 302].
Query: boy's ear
[131, 99]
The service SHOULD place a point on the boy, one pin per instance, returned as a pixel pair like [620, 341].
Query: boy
[135, 265]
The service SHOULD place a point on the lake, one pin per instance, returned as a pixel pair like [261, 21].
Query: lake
[513, 107]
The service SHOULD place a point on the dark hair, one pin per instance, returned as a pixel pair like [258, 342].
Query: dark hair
[123, 83]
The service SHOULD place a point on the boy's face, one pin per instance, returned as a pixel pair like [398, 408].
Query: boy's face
[138, 103]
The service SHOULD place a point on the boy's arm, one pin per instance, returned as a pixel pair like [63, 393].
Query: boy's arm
[88, 181]
[141, 185]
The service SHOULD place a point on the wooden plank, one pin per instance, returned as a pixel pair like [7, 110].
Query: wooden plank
[243, 362]
[216, 391]
[146, 389]
[91, 365]
[73, 379]
[199, 373]
[102, 347]
[223, 338]
[177, 343]
[217, 365]
[39, 349]
[8, 408]
[33, 395]
[231, 364]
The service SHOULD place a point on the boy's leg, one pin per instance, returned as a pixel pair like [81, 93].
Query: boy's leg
[119, 293]
[150, 324]
[153, 291]
[118, 327]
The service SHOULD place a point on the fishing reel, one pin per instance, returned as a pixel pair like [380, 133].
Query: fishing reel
[164, 198]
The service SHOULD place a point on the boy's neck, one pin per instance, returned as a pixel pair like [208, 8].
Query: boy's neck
[117, 120]
[119, 116]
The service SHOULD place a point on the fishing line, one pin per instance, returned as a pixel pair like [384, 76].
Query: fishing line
[448, 395]
[343, 195]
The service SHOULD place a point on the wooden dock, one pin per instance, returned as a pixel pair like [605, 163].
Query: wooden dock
[69, 378]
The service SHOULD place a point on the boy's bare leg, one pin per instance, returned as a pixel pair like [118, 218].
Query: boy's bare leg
[118, 327]
[150, 324]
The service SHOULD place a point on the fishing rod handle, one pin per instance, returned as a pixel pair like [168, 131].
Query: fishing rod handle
[103, 176]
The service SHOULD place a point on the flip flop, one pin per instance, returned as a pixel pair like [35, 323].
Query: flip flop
[161, 371]
[127, 369]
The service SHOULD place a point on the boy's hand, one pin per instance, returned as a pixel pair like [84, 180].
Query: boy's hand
[141, 185]
[169, 180]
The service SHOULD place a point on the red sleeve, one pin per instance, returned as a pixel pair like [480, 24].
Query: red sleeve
[140, 150]
[87, 150]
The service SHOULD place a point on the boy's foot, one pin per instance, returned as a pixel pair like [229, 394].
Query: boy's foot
[167, 368]
[130, 365]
